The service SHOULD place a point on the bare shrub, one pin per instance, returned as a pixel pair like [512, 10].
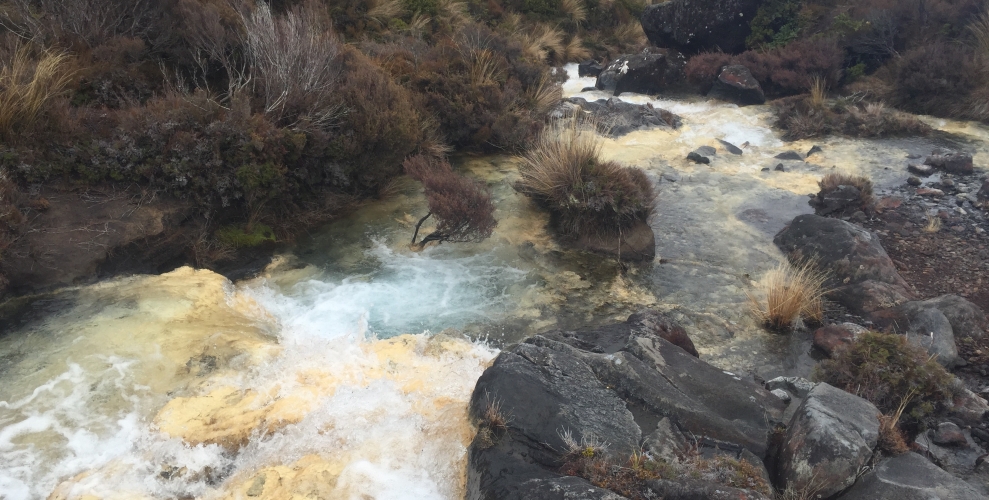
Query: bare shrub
[788, 292]
[90, 22]
[563, 171]
[214, 32]
[462, 207]
[294, 64]
[27, 85]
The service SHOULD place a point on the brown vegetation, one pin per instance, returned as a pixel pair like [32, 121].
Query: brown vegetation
[586, 195]
[789, 292]
[804, 117]
[832, 181]
[462, 207]
[628, 477]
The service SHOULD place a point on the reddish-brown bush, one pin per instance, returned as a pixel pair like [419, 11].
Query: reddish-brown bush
[938, 79]
[702, 69]
[462, 207]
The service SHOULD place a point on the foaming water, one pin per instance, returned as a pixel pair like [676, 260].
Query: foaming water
[183, 385]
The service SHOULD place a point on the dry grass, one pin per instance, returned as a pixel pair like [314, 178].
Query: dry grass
[979, 29]
[575, 10]
[629, 36]
[382, 11]
[542, 44]
[818, 92]
[807, 116]
[28, 85]
[933, 224]
[543, 97]
[452, 12]
[834, 180]
[563, 171]
[788, 292]
[492, 424]
[574, 50]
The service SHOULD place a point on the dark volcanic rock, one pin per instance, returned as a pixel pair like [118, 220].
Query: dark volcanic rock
[814, 149]
[692, 489]
[589, 68]
[736, 84]
[921, 170]
[616, 118]
[830, 438]
[954, 162]
[693, 26]
[636, 243]
[983, 194]
[650, 322]
[549, 391]
[696, 157]
[789, 155]
[842, 199]
[650, 72]
[910, 477]
[967, 320]
[831, 338]
[924, 325]
[864, 278]
[731, 148]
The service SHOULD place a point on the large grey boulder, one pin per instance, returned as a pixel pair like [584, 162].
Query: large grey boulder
[967, 320]
[910, 477]
[831, 436]
[692, 26]
[651, 71]
[863, 277]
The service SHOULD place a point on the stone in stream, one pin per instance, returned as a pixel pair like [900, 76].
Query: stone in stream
[913, 180]
[921, 170]
[955, 162]
[692, 26]
[615, 118]
[842, 199]
[910, 477]
[814, 149]
[731, 148]
[651, 71]
[780, 168]
[635, 244]
[736, 84]
[696, 157]
[789, 155]
[830, 438]
[589, 67]
[863, 277]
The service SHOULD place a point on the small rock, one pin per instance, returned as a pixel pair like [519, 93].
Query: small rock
[954, 162]
[589, 67]
[948, 434]
[913, 180]
[913, 156]
[796, 386]
[814, 149]
[983, 194]
[588, 89]
[731, 148]
[921, 170]
[706, 151]
[858, 217]
[696, 157]
[780, 393]
[789, 155]
[736, 84]
[780, 168]
[930, 192]
[831, 338]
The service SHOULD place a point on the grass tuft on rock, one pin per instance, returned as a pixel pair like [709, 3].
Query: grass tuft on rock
[563, 171]
[789, 292]
[834, 180]
[806, 116]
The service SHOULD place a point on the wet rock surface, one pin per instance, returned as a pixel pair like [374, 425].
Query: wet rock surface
[955, 162]
[693, 26]
[650, 72]
[616, 118]
[636, 243]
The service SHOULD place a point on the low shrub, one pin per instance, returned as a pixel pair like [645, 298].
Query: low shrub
[801, 117]
[900, 378]
[832, 181]
[941, 79]
[586, 195]
[788, 292]
[462, 207]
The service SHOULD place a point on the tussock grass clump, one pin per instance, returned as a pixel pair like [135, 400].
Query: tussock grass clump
[628, 478]
[900, 378]
[933, 224]
[564, 172]
[834, 180]
[788, 292]
[28, 85]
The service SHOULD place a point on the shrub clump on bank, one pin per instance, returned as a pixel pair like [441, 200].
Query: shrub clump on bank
[585, 195]
[901, 379]
[804, 117]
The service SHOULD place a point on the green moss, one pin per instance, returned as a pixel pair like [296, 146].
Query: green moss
[243, 238]
[776, 23]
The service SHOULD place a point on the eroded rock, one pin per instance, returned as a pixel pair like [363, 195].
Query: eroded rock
[736, 84]
[910, 477]
[693, 26]
[652, 71]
